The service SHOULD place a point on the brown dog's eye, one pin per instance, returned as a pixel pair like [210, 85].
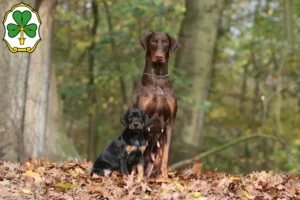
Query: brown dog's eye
[165, 42]
[153, 42]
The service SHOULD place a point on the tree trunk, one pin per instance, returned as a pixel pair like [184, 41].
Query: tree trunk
[244, 88]
[38, 84]
[115, 53]
[30, 116]
[13, 77]
[91, 87]
[198, 38]
[288, 16]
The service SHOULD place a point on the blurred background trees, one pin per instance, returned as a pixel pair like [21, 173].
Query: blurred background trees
[29, 104]
[198, 36]
[236, 74]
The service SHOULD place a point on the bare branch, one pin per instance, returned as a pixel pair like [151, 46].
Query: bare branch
[226, 146]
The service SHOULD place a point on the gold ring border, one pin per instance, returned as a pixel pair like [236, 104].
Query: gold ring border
[15, 49]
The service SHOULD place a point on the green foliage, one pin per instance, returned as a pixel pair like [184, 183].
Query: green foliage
[253, 49]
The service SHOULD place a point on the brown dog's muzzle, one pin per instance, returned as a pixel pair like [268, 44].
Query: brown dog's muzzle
[158, 56]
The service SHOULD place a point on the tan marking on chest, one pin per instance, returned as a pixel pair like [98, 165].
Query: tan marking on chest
[130, 149]
[143, 102]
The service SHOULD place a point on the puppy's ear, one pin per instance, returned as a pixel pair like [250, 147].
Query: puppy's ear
[123, 119]
[145, 41]
[174, 44]
[146, 120]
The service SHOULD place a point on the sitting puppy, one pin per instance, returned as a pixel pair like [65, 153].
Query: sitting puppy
[126, 152]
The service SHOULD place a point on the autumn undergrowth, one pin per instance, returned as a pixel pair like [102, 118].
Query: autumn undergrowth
[43, 179]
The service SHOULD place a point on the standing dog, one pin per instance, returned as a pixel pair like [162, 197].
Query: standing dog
[155, 96]
[126, 152]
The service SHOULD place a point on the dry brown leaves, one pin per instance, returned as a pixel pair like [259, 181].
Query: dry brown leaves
[43, 179]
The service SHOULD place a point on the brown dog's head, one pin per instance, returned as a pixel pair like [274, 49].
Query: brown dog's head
[159, 44]
[135, 119]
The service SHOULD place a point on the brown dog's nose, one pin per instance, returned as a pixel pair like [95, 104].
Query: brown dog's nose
[159, 56]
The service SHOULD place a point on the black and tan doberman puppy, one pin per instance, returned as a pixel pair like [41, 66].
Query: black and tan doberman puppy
[127, 151]
[154, 95]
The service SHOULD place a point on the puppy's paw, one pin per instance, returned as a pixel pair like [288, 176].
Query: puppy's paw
[139, 179]
[107, 172]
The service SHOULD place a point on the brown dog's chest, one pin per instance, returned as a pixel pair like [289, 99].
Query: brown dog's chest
[157, 103]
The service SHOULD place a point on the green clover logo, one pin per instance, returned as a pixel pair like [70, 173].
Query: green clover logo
[21, 18]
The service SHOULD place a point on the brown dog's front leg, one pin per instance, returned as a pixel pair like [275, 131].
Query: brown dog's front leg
[166, 148]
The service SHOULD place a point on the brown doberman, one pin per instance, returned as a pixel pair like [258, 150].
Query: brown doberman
[155, 96]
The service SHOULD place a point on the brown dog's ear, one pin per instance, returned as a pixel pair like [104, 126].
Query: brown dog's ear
[123, 119]
[145, 40]
[174, 44]
[146, 120]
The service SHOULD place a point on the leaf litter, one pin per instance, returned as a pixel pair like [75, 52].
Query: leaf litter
[43, 179]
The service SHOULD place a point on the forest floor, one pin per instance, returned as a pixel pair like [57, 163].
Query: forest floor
[43, 179]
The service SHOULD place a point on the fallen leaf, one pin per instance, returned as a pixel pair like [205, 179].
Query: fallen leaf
[41, 168]
[249, 196]
[66, 185]
[235, 179]
[4, 182]
[44, 160]
[85, 164]
[178, 186]
[29, 166]
[195, 194]
[172, 173]
[291, 190]
[36, 176]
[79, 170]
[197, 169]
[280, 187]
[26, 191]
[129, 181]
[93, 189]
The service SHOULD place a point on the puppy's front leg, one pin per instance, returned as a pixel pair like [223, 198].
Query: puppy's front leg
[123, 164]
[140, 169]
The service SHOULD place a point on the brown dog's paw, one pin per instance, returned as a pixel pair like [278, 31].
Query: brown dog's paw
[161, 179]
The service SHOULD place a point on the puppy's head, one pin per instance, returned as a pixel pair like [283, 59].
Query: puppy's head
[135, 119]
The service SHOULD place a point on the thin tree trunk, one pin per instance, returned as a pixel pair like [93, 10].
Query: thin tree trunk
[279, 66]
[254, 111]
[115, 52]
[241, 110]
[255, 98]
[244, 88]
[91, 86]
[288, 13]
[198, 38]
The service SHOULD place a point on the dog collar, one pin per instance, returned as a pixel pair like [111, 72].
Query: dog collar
[157, 76]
